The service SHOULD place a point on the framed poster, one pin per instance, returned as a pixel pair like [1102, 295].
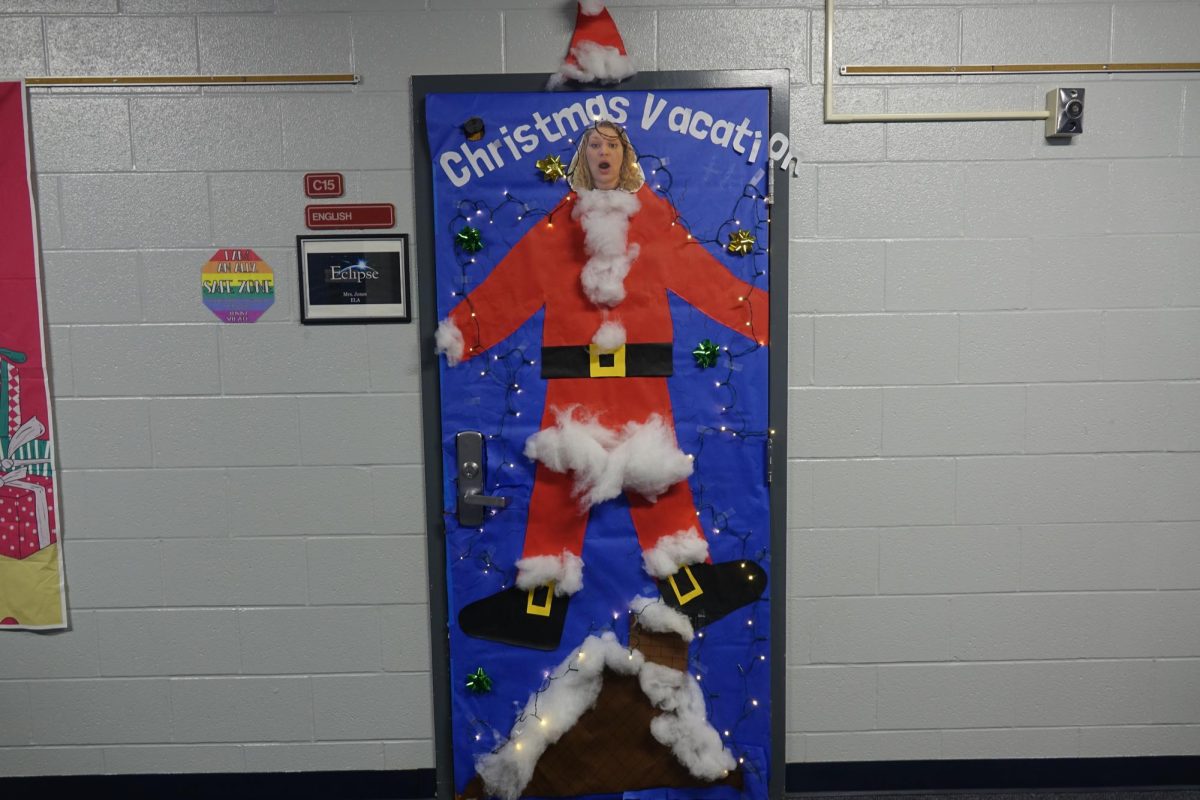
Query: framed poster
[353, 279]
[604, 287]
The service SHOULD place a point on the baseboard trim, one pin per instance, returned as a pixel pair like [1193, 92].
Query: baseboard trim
[412, 784]
[837, 777]
[994, 774]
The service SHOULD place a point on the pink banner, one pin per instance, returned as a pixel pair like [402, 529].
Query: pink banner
[31, 574]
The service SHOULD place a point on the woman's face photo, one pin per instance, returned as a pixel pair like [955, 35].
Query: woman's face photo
[604, 157]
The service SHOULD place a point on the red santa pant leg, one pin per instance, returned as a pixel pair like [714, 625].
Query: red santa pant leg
[666, 526]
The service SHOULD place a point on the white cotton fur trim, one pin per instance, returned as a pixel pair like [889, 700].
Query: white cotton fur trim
[672, 552]
[565, 569]
[610, 335]
[573, 445]
[656, 616]
[572, 689]
[604, 216]
[648, 460]
[641, 457]
[683, 725]
[448, 339]
[603, 277]
[591, 7]
[594, 62]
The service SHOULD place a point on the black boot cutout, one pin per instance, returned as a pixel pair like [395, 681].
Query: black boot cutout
[525, 618]
[707, 592]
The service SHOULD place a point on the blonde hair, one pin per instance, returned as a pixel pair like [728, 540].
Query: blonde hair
[580, 177]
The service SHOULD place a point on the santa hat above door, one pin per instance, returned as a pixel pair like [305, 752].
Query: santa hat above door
[596, 52]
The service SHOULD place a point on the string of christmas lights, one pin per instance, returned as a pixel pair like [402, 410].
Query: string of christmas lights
[719, 523]
[754, 659]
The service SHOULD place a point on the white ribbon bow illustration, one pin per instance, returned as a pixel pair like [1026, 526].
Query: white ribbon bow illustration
[16, 470]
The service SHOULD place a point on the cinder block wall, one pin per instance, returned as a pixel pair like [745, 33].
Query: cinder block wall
[994, 413]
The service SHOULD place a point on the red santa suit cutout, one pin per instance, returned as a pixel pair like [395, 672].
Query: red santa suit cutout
[601, 264]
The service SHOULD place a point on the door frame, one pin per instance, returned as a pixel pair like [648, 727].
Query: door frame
[777, 83]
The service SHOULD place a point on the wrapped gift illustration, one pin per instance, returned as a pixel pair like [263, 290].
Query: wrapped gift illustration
[25, 499]
[26, 489]
[35, 453]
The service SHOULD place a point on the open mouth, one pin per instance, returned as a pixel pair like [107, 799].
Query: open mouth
[604, 165]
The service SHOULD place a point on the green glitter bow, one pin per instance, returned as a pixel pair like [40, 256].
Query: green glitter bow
[479, 681]
[706, 354]
[469, 239]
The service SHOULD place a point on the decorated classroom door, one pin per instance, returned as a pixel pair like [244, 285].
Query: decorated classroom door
[603, 337]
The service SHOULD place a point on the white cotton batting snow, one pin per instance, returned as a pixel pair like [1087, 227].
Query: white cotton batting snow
[674, 551]
[655, 615]
[641, 457]
[604, 216]
[610, 335]
[448, 339]
[594, 62]
[579, 445]
[565, 569]
[573, 688]
[683, 726]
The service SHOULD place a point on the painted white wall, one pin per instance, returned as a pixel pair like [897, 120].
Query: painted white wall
[995, 407]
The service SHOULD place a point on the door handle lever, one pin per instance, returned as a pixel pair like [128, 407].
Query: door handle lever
[470, 453]
[476, 499]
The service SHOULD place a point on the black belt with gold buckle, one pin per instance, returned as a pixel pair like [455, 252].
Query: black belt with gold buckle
[643, 360]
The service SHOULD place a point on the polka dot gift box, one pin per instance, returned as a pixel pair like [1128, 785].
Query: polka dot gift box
[26, 506]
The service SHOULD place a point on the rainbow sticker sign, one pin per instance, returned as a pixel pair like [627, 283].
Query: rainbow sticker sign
[238, 285]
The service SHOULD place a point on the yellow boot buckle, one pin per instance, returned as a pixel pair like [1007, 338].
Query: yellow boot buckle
[691, 594]
[540, 609]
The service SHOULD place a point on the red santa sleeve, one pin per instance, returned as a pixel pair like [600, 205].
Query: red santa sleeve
[510, 294]
[691, 272]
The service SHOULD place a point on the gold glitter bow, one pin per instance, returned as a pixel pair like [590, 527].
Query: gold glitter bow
[741, 242]
[551, 168]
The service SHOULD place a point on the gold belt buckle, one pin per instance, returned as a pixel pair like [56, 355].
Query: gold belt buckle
[606, 363]
[691, 594]
[540, 609]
